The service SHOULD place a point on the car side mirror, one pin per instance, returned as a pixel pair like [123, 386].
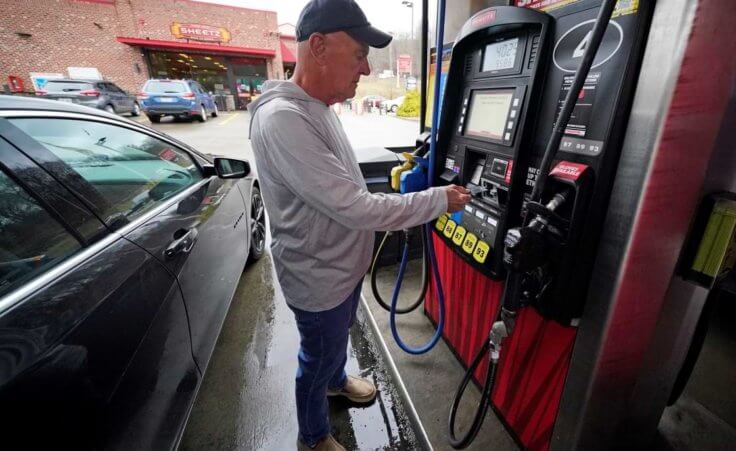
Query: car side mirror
[230, 168]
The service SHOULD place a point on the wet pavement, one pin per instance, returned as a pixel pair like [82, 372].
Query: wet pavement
[431, 379]
[246, 401]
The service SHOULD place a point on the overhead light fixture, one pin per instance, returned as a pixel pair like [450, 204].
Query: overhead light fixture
[208, 58]
[179, 61]
[184, 55]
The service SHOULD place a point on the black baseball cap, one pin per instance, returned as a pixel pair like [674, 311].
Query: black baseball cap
[329, 16]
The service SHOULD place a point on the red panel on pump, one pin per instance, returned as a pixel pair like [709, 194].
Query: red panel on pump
[534, 361]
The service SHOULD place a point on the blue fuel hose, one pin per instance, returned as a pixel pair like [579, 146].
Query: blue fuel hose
[427, 227]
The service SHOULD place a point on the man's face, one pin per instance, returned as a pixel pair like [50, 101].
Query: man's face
[347, 60]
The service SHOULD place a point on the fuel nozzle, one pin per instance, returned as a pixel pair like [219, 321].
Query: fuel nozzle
[526, 250]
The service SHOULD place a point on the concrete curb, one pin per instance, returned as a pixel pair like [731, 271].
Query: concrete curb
[416, 422]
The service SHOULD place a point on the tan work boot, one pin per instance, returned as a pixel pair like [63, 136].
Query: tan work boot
[326, 444]
[357, 390]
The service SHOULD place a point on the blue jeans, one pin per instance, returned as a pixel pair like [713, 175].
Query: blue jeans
[322, 357]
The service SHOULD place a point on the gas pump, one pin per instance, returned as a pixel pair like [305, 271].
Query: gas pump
[534, 113]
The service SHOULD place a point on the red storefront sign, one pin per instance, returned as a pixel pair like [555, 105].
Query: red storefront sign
[199, 32]
[404, 64]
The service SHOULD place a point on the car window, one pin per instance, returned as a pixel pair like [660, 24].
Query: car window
[112, 88]
[132, 171]
[195, 88]
[31, 240]
[66, 86]
[165, 87]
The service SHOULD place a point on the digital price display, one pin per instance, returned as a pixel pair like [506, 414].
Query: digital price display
[500, 55]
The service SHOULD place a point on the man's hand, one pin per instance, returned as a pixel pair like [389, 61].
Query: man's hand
[457, 197]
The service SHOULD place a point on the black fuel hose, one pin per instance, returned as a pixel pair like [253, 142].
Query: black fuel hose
[425, 275]
[483, 405]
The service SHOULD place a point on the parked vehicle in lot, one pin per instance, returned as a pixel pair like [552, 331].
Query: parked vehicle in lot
[120, 252]
[102, 95]
[178, 98]
[393, 105]
[372, 101]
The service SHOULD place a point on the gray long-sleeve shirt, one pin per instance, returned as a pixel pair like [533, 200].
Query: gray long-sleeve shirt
[321, 214]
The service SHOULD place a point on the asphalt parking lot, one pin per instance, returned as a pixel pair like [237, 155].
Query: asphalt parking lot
[227, 135]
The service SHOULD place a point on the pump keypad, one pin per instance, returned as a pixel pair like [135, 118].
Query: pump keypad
[459, 235]
[450, 228]
[481, 252]
[441, 223]
[469, 243]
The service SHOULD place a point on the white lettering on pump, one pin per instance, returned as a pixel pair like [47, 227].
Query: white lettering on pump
[580, 49]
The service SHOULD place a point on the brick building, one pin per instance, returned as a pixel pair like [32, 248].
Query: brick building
[227, 49]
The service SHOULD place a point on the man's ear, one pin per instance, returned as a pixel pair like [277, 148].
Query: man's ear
[318, 47]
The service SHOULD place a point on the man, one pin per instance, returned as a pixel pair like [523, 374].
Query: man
[322, 216]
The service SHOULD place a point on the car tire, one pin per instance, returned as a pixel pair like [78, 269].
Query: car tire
[257, 226]
[215, 112]
[109, 108]
[155, 118]
[202, 117]
[394, 108]
[136, 110]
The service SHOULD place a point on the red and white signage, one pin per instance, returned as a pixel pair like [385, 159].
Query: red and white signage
[568, 171]
[483, 19]
[199, 32]
[403, 62]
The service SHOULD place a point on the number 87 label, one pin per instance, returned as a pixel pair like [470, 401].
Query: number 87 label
[459, 235]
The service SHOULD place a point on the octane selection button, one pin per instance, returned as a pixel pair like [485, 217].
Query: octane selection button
[441, 222]
[481, 252]
[469, 243]
[450, 228]
[459, 235]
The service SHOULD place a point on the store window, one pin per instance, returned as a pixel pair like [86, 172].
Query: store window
[250, 74]
[209, 70]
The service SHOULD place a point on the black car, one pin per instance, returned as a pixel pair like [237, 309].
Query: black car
[103, 95]
[120, 252]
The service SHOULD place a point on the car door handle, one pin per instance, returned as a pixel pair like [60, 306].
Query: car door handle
[183, 244]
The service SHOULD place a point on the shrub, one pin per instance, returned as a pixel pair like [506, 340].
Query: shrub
[411, 105]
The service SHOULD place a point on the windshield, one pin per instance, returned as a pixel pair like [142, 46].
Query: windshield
[67, 86]
[165, 87]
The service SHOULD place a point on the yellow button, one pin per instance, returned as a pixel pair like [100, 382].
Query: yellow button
[469, 244]
[459, 235]
[449, 228]
[441, 221]
[481, 252]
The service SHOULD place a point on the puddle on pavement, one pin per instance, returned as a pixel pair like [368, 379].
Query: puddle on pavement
[247, 397]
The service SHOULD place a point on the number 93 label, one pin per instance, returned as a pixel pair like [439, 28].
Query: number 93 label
[481, 252]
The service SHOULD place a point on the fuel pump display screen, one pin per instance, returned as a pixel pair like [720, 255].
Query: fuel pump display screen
[500, 56]
[488, 112]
